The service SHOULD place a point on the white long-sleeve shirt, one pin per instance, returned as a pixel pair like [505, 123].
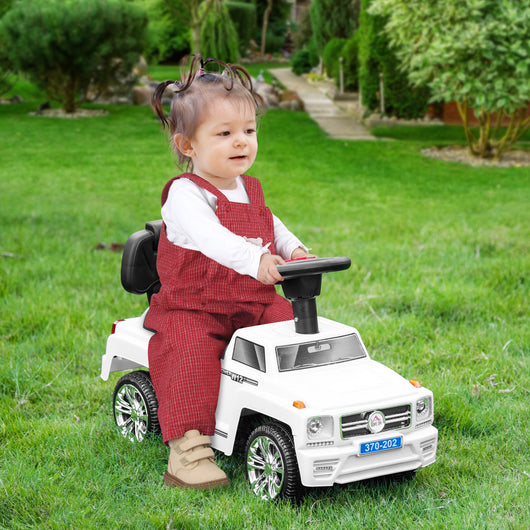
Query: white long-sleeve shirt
[189, 216]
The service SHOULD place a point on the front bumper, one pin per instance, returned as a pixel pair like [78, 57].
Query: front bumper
[325, 466]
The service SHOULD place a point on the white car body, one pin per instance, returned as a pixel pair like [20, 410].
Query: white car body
[332, 410]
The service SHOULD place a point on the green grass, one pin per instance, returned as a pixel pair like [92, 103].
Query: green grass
[438, 289]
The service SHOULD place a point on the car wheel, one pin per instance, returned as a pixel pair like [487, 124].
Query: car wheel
[135, 406]
[272, 467]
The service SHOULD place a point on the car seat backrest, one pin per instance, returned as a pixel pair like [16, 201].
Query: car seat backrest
[138, 264]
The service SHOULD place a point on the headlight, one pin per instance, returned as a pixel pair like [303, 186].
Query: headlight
[423, 409]
[320, 427]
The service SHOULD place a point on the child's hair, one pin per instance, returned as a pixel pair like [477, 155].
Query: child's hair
[193, 94]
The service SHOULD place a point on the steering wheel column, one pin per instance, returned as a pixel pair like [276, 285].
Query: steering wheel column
[301, 286]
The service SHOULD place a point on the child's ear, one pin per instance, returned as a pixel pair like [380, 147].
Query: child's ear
[184, 145]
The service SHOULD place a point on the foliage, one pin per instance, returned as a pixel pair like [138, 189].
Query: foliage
[474, 52]
[218, 34]
[273, 18]
[441, 298]
[243, 15]
[400, 98]
[331, 57]
[169, 34]
[6, 69]
[301, 62]
[332, 19]
[350, 53]
[5, 6]
[80, 43]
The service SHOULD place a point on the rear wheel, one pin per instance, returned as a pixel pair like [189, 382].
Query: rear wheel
[272, 467]
[135, 406]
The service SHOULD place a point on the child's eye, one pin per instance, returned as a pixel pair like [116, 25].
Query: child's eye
[224, 133]
[251, 131]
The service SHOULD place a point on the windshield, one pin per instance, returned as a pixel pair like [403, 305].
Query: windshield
[319, 353]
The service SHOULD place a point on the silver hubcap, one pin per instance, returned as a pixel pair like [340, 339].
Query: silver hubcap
[265, 468]
[130, 411]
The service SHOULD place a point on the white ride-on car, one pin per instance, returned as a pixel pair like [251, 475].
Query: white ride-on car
[303, 397]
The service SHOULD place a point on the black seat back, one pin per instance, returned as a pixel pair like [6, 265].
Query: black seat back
[138, 264]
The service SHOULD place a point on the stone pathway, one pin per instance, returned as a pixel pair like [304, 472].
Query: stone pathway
[330, 117]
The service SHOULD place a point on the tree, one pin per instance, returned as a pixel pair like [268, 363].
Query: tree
[265, 25]
[65, 46]
[378, 62]
[333, 19]
[272, 16]
[218, 34]
[6, 74]
[474, 52]
[194, 14]
[169, 34]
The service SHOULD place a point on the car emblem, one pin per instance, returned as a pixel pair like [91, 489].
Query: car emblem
[376, 421]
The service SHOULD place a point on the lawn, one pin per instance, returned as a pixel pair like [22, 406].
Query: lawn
[438, 288]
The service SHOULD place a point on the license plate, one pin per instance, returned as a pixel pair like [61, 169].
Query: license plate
[380, 445]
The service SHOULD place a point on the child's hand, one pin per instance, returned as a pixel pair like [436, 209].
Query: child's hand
[267, 271]
[299, 253]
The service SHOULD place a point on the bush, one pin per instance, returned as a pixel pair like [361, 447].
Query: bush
[218, 34]
[7, 79]
[79, 43]
[331, 57]
[332, 19]
[169, 34]
[301, 62]
[350, 53]
[375, 57]
[244, 17]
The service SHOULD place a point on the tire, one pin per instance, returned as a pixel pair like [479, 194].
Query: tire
[271, 464]
[135, 406]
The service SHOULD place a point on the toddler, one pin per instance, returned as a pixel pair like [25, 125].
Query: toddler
[217, 257]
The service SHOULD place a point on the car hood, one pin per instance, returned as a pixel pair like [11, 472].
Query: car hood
[357, 383]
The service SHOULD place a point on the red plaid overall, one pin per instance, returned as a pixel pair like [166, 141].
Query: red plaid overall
[200, 305]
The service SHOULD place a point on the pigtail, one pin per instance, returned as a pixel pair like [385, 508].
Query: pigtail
[156, 102]
[177, 86]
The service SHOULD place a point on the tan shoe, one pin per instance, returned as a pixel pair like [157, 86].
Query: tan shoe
[191, 463]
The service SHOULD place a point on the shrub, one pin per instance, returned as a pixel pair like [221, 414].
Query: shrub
[301, 62]
[350, 53]
[332, 19]
[169, 34]
[473, 52]
[243, 15]
[331, 57]
[375, 57]
[218, 34]
[79, 43]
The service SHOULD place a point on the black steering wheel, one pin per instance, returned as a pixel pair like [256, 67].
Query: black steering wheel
[301, 285]
[309, 266]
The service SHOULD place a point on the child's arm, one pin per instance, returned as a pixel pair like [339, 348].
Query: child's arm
[287, 245]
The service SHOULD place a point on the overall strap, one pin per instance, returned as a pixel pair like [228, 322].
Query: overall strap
[199, 181]
[254, 190]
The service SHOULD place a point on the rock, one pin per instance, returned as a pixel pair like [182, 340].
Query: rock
[290, 99]
[141, 95]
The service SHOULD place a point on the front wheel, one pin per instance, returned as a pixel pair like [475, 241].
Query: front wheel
[135, 406]
[272, 467]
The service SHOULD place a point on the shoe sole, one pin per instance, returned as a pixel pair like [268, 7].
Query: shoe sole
[173, 482]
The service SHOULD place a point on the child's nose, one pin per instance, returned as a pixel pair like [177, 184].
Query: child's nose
[240, 139]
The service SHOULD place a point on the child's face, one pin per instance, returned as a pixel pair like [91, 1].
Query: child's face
[224, 145]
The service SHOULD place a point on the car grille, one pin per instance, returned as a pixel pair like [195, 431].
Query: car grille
[357, 424]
